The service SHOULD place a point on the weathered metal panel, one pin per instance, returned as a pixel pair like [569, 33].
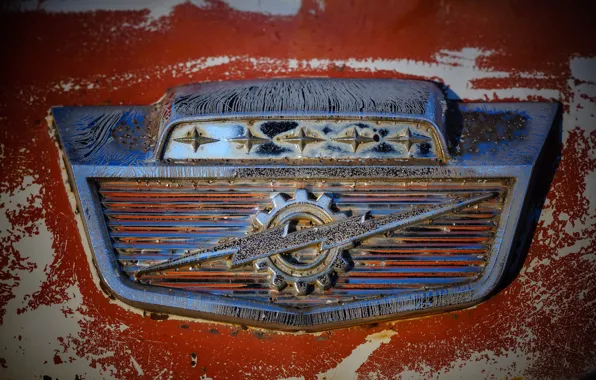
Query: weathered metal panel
[55, 321]
[98, 148]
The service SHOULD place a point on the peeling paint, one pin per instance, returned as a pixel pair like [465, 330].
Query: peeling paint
[348, 367]
[39, 333]
[267, 7]
[159, 8]
[538, 327]
[137, 366]
[458, 70]
[506, 365]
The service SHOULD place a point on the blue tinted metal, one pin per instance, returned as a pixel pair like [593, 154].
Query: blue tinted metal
[492, 145]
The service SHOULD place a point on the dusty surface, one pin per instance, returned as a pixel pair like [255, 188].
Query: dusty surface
[55, 321]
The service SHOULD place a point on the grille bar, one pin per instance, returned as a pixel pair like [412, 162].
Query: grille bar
[152, 221]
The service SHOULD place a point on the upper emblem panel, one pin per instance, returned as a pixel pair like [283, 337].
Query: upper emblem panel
[304, 140]
[325, 98]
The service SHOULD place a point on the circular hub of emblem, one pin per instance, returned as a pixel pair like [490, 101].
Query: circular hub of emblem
[308, 268]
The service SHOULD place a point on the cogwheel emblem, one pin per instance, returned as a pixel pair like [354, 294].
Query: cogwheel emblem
[309, 268]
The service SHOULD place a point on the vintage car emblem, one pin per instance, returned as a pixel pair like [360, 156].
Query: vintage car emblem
[303, 204]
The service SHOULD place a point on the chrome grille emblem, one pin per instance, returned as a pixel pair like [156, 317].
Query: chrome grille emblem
[307, 267]
[249, 202]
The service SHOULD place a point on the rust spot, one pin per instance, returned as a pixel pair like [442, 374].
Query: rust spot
[481, 128]
[58, 359]
[370, 326]
[106, 290]
[271, 148]
[383, 147]
[158, 316]
[262, 335]
[324, 336]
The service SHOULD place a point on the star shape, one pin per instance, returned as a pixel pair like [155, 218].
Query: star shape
[249, 140]
[354, 140]
[408, 138]
[301, 139]
[195, 139]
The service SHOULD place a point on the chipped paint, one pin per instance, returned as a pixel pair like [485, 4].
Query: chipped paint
[348, 367]
[25, 325]
[506, 365]
[538, 327]
[159, 8]
[457, 69]
[137, 366]
[267, 7]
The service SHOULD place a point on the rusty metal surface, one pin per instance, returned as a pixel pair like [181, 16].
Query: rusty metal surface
[56, 322]
[154, 221]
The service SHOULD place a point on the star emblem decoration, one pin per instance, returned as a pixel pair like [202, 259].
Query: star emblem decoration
[195, 139]
[354, 139]
[407, 138]
[301, 139]
[249, 140]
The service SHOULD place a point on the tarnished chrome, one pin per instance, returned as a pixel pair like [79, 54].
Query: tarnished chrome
[335, 234]
[157, 220]
[330, 141]
[308, 267]
[270, 248]
[302, 204]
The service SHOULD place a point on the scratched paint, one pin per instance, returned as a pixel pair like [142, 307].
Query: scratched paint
[347, 368]
[157, 9]
[538, 327]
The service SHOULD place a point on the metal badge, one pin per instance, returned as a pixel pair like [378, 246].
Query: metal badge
[303, 204]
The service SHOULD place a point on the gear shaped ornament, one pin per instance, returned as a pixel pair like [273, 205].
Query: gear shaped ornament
[307, 269]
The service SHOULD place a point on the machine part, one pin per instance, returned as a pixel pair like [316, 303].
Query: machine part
[309, 267]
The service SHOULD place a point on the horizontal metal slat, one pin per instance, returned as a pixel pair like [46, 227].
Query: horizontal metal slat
[152, 221]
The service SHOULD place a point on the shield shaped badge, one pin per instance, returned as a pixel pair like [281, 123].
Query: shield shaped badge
[303, 204]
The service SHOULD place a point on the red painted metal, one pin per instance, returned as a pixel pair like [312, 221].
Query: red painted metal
[541, 326]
